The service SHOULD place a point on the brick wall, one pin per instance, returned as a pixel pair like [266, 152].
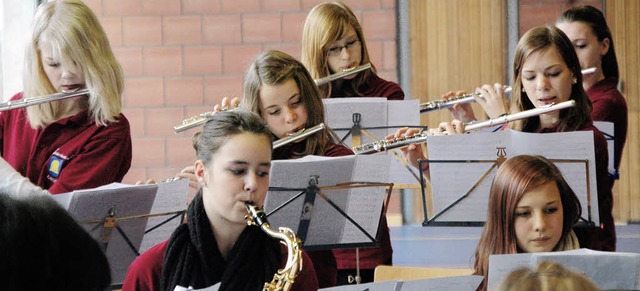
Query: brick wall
[542, 12]
[180, 57]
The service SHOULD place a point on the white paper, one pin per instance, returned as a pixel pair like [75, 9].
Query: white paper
[328, 227]
[211, 288]
[609, 270]
[374, 286]
[453, 283]
[171, 197]
[451, 181]
[375, 112]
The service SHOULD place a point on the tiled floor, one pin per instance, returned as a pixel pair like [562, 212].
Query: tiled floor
[453, 247]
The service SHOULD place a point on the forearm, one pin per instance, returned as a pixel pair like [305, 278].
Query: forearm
[15, 185]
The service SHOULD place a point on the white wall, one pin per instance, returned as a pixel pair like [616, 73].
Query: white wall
[15, 18]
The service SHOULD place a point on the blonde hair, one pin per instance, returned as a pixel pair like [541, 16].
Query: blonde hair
[548, 276]
[326, 24]
[76, 37]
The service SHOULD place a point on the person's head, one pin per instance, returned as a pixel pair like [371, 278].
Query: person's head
[68, 50]
[548, 276]
[531, 209]
[332, 41]
[233, 153]
[43, 248]
[279, 89]
[587, 29]
[546, 70]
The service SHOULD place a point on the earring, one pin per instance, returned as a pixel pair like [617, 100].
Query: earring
[522, 90]
[574, 80]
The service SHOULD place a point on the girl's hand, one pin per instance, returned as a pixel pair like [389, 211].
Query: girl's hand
[494, 102]
[460, 111]
[227, 104]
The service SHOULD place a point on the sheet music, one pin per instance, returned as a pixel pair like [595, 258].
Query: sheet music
[608, 130]
[215, 287]
[170, 197]
[609, 270]
[94, 204]
[375, 112]
[327, 227]
[450, 181]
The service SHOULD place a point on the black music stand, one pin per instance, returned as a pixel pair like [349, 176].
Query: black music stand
[125, 209]
[461, 185]
[332, 237]
[364, 120]
[318, 199]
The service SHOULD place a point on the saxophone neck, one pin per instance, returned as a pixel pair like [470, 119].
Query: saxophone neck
[283, 279]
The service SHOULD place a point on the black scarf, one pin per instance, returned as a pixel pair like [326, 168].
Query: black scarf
[192, 257]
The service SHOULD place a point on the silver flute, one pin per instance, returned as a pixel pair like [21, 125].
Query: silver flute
[24, 102]
[384, 145]
[298, 135]
[467, 98]
[197, 120]
[342, 74]
[464, 98]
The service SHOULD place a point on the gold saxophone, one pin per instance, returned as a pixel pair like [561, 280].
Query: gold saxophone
[283, 279]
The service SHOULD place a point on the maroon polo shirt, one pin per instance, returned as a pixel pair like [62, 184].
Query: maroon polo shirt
[72, 153]
[610, 105]
[373, 87]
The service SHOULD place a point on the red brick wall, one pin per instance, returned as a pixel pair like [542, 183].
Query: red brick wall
[180, 57]
[534, 13]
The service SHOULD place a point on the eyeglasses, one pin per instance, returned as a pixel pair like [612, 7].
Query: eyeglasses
[351, 46]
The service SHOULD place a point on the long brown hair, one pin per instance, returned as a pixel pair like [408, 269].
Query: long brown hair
[540, 39]
[275, 67]
[217, 131]
[326, 24]
[514, 178]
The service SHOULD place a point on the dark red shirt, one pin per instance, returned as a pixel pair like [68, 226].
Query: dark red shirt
[146, 270]
[70, 154]
[610, 105]
[374, 87]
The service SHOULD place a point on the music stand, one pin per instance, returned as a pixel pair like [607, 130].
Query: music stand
[123, 208]
[451, 283]
[461, 185]
[361, 120]
[318, 199]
